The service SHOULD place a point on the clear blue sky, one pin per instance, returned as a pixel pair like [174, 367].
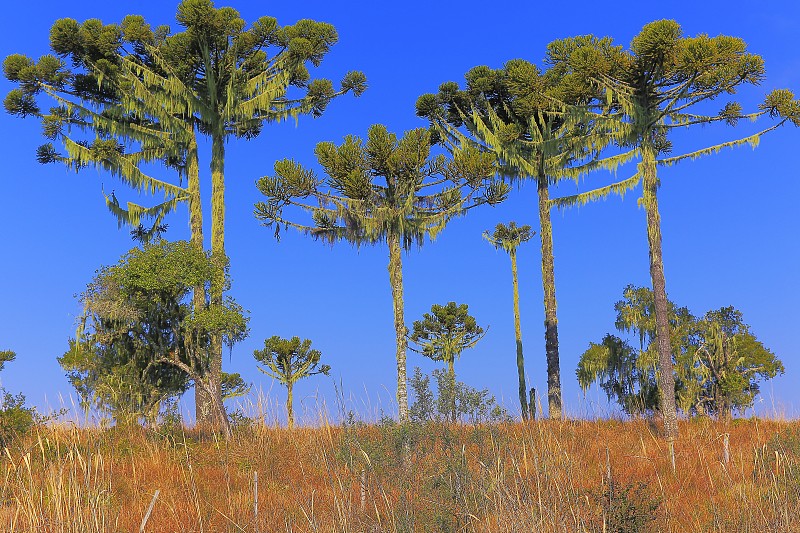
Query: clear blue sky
[730, 221]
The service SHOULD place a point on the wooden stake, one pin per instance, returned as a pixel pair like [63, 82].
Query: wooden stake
[149, 510]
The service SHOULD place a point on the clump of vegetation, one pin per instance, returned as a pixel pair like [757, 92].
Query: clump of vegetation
[453, 401]
[718, 362]
[629, 508]
[15, 417]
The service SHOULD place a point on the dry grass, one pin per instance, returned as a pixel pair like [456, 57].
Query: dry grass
[538, 477]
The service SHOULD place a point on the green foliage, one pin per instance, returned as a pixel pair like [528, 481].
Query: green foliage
[508, 238]
[445, 332]
[729, 362]
[379, 189]
[6, 356]
[453, 401]
[15, 418]
[289, 360]
[141, 343]
[718, 361]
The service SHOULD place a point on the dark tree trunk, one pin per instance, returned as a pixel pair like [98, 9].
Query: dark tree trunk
[549, 286]
[523, 401]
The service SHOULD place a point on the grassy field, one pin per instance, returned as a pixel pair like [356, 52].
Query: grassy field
[542, 476]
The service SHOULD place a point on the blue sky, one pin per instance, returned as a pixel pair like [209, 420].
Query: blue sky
[729, 221]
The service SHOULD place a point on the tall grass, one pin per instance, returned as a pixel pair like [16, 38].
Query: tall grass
[540, 476]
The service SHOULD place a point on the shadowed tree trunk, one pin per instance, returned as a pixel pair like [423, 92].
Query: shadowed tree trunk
[549, 286]
[523, 402]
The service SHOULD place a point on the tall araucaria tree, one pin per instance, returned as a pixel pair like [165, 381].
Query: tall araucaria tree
[664, 83]
[216, 76]
[384, 190]
[509, 238]
[524, 116]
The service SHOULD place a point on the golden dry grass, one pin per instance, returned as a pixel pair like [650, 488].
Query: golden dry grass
[542, 476]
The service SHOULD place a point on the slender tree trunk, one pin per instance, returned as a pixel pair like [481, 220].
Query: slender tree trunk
[396, 280]
[219, 418]
[666, 380]
[202, 402]
[289, 402]
[451, 375]
[523, 401]
[549, 285]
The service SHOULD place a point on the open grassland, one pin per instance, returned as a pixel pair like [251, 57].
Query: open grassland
[542, 476]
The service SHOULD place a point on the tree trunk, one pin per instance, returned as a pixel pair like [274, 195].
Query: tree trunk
[523, 401]
[451, 375]
[219, 417]
[214, 371]
[396, 280]
[202, 402]
[289, 402]
[666, 380]
[549, 286]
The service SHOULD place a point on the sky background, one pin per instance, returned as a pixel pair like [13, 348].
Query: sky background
[729, 221]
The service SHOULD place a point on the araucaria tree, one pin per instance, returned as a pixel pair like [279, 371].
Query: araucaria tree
[523, 116]
[442, 335]
[217, 77]
[289, 360]
[445, 332]
[384, 190]
[509, 238]
[662, 84]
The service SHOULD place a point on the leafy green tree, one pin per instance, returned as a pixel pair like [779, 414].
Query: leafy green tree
[729, 362]
[216, 77]
[662, 84]
[628, 373]
[141, 339]
[718, 363]
[509, 238]
[445, 332]
[522, 115]
[385, 190]
[289, 360]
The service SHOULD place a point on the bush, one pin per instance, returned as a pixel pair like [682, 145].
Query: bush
[624, 509]
[15, 418]
[454, 401]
